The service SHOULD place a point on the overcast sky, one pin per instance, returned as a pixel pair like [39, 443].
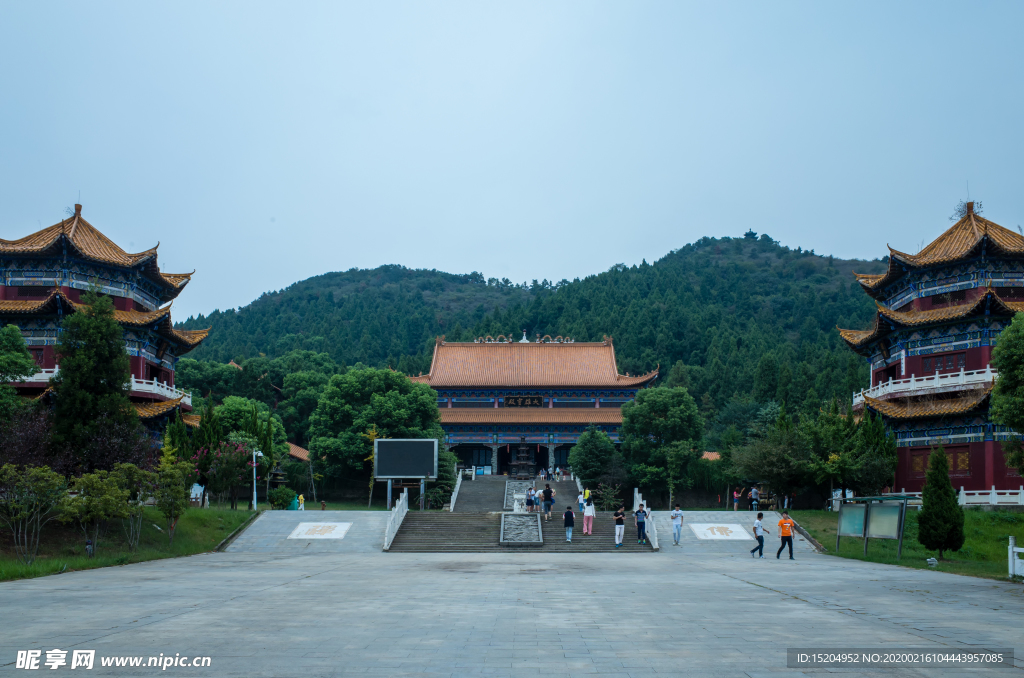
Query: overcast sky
[265, 143]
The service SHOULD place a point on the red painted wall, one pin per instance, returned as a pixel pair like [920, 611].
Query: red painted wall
[987, 468]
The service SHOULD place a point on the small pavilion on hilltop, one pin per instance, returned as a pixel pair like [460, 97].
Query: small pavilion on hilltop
[497, 394]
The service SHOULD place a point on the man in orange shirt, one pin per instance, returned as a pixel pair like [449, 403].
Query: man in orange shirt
[786, 532]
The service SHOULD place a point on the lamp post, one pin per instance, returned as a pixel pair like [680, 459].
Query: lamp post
[255, 453]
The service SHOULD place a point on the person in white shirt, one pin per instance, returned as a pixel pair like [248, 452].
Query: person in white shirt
[677, 525]
[579, 500]
[588, 517]
[759, 533]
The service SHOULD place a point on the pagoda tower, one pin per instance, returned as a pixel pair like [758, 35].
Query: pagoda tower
[42, 278]
[939, 313]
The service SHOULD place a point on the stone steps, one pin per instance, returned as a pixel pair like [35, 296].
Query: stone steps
[483, 493]
[442, 532]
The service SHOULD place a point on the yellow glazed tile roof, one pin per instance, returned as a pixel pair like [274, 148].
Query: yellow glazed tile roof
[300, 453]
[532, 364]
[91, 244]
[898, 409]
[156, 408]
[191, 420]
[958, 241]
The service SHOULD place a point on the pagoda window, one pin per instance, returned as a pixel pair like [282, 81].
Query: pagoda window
[948, 362]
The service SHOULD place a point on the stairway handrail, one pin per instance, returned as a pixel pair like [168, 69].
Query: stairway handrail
[455, 492]
[397, 516]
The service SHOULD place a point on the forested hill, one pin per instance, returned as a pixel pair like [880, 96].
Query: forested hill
[707, 313]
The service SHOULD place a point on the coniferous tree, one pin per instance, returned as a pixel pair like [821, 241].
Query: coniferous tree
[92, 387]
[590, 456]
[940, 524]
[15, 363]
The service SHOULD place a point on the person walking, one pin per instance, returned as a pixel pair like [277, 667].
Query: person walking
[549, 496]
[786, 532]
[530, 494]
[755, 495]
[620, 525]
[736, 494]
[579, 500]
[677, 525]
[586, 494]
[640, 517]
[759, 533]
[570, 522]
[588, 518]
[302, 503]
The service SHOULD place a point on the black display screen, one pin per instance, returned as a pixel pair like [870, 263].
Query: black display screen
[405, 458]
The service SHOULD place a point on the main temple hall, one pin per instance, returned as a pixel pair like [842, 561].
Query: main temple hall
[496, 394]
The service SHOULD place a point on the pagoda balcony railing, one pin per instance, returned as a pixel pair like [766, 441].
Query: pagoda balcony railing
[147, 386]
[934, 383]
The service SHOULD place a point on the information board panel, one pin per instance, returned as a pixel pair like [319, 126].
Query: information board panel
[884, 521]
[404, 458]
[851, 520]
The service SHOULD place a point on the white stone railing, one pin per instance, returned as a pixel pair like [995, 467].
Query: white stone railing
[579, 485]
[1016, 564]
[935, 383]
[160, 388]
[396, 518]
[137, 385]
[651, 528]
[40, 377]
[991, 497]
[455, 492]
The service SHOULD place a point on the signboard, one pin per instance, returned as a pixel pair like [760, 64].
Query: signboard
[884, 521]
[320, 531]
[719, 531]
[851, 520]
[523, 401]
[404, 458]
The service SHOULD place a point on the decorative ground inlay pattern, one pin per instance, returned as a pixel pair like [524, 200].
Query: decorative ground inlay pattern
[520, 529]
[513, 487]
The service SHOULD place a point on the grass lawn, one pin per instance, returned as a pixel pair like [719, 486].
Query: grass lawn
[983, 553]
[62, 547]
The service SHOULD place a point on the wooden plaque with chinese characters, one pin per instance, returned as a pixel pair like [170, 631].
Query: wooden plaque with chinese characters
[524, 401]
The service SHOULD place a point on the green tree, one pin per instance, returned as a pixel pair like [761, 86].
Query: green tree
[1008, 394]
[91, 389]
[139, 485]
[940, 523]
[15, 363]
[439, 492]
[590, 456]
[779, 458]
[368, 399]
[173, 491]
[661, 423]
[97, 498]
[766, 378]
[29, 499]
[831, 439]
[876, 450]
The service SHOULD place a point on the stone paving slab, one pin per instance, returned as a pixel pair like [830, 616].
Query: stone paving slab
[270, 531]
[681, 612]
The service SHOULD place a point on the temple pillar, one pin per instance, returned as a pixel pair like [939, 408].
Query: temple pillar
[990, 461]
[494, 458]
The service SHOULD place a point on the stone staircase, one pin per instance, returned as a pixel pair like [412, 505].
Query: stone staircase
[482, 494]
[441, 531]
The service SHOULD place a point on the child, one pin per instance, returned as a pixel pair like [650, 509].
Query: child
[786, 532]
[570, 522]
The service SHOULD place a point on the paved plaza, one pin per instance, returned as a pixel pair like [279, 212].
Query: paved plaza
[702, 609]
